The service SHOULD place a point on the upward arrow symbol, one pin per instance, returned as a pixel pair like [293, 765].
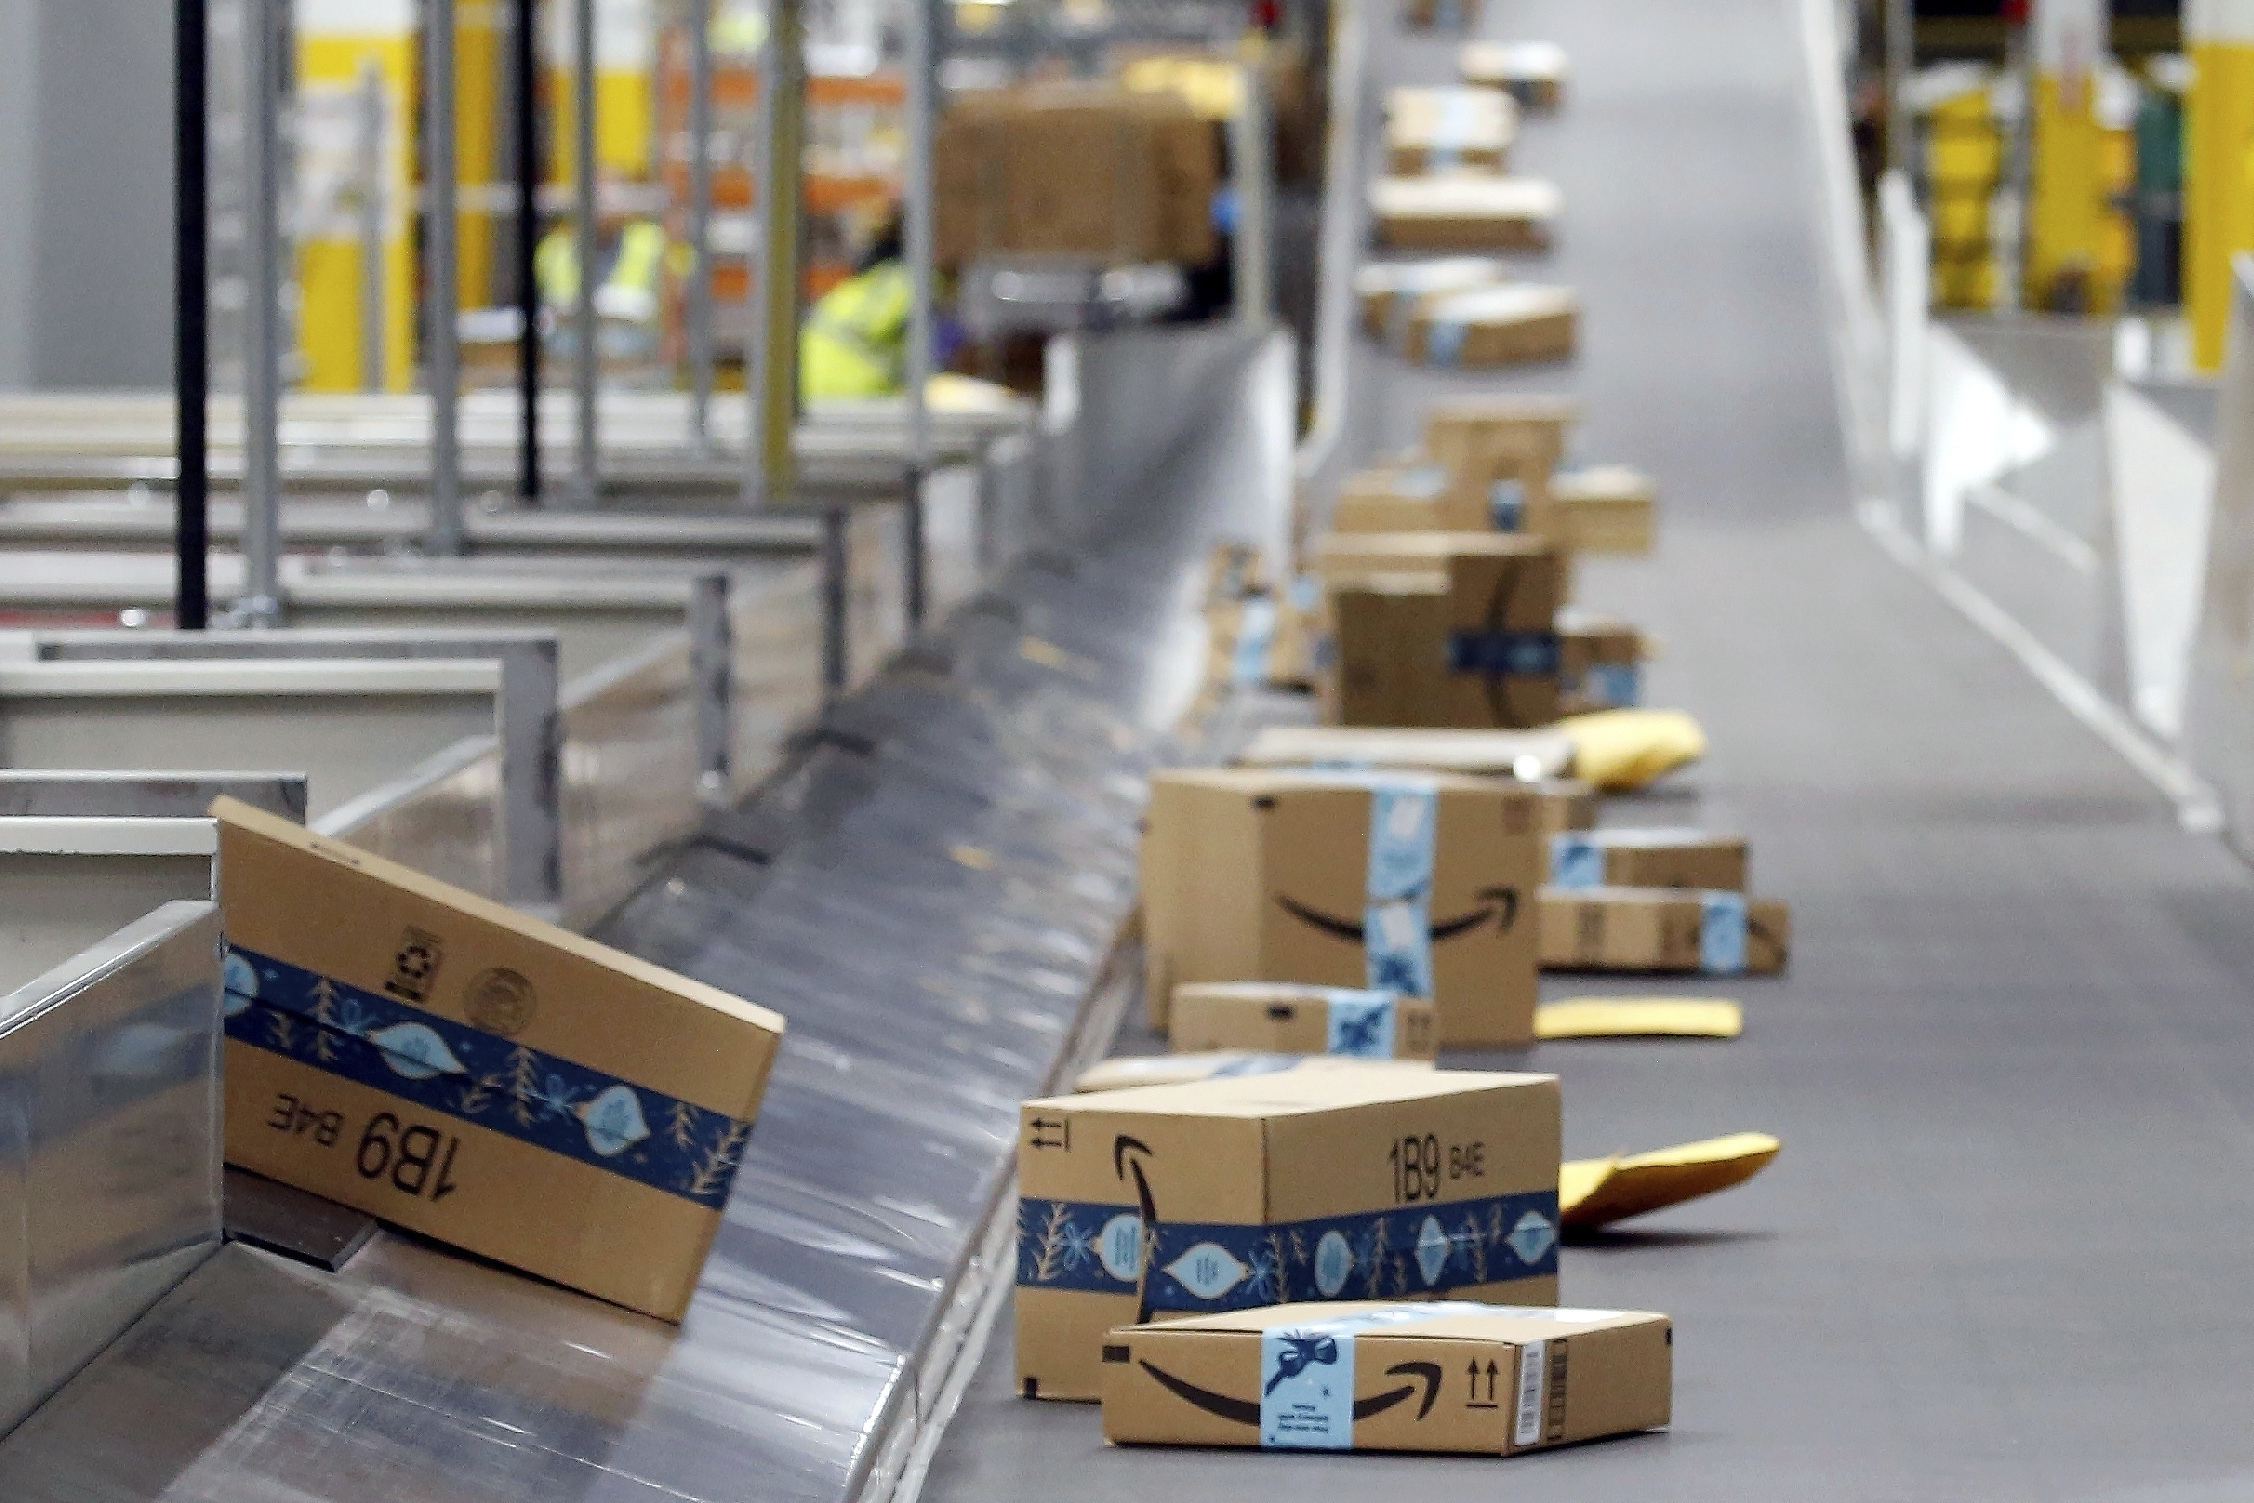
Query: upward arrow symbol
[1471, 1388]
[1490, 1379]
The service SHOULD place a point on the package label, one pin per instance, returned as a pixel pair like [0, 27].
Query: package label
[451, 1069]
[1506, 504]
[1576, 860]
[1256, 637]
[1533, 1393]
[1721, 933]
[1444, 342]
[1397, 926]
[1213, 1267]
[1362, 1023]
[1307, 1374]
[1504, 654]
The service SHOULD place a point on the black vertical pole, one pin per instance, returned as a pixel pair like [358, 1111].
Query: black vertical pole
[191, 335]
[527, 95]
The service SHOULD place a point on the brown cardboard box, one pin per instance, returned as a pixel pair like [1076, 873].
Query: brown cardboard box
[1480, 440]
[1267, 875]
[1599, 509]
[1535, 760]
[1533, 73]
[1649, 858]
[1600, 664]
[1464, 211]
[1266, 639]
[1387, 290]
[1511, 325]
[1650, 929]
[1466, 641]
[497, 1083]
[1382, 1376]
[1395, 1181]
[1441, 15]
[1407, 499]
[1442, 129]
[1289, 1017]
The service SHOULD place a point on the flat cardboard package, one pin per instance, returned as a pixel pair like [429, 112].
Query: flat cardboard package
[1654, 929]
[1289, 1017]
[450, 1065]
[1442, 129]
[1608, 508]
[1414, 498]
[1510, 325]
[1413, 882]
[1442, 629]
[1266, 639]
[1451, 1376]
[1385, 1181]
[1533, 73]
[1536, 760]
[1387, 290]
[1600, 663]
[1649, 858]
[1464, 211]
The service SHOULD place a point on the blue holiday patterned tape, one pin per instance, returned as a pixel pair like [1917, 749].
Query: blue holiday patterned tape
[1721, 933]
[1208, 1267]
[1360, 1024]
[1506, 504]
[1213, 1267]
[1397, 921]
[1256, 636]
[1307, 1373]
[1503, 654]
[456, 1070]
[1576, 860]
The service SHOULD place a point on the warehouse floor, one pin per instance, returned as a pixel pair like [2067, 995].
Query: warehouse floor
[2013, 1063]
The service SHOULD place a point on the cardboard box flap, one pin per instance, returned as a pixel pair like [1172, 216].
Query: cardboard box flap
[1506, 304]
[1451, 195]
[1294, 1092]
[1443, 1320]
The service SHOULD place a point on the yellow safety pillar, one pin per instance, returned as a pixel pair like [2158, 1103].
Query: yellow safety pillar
[340, 43]
[2218, 192]
[625, 88]
[2066, 214]
[480, 29]
[1964, 164]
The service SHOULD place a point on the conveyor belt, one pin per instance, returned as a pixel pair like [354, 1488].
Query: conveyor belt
[2013, 1064]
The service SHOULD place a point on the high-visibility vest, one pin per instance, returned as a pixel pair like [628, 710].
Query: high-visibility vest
[631, 289]
[855, 340]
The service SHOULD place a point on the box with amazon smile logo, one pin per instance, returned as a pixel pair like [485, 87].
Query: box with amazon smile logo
[1417, 883]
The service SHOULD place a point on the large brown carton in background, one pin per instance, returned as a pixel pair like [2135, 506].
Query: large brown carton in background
[1382, 1181]
[1468, 640]
[1252, 875]
[1655, 929]
[1291, 1017]
[1447, 1375]
[1609, 508]
[489, 1080]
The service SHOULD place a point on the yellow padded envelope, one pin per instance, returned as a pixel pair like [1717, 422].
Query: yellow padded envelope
[1639, 1017]
[1622, 750]
[1598, 1192]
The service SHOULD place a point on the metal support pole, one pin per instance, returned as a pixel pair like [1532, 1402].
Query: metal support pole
[523, 43]
[441, 291]
[771, 380]
[700, 225]
[1901, 57]
[262, 323]
[711, 674]
[191, 330]
[1251, 153]
[916, 243]
[837, 564]
[583, 185]
[369, 168]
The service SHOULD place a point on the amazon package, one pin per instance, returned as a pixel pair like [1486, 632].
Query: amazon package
[1536, 760]
[1387, 290]
[1442, 629]
[1482, 440]
[1442, 129]
[1464, 211]
[1381, 1182]
[1654, 929]
[1288, 1017]
[1608, 508]
[1516, 324]
[1648, 858]
[1406, 498]
[1533, 73]
[1600, 664]
[1417, 883]
[1383, 1375]
[499, 1084]
[1440, 15]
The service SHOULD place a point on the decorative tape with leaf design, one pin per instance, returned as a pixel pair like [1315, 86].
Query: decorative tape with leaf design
[449, 1067]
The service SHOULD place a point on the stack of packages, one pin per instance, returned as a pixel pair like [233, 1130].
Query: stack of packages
[1446, 189]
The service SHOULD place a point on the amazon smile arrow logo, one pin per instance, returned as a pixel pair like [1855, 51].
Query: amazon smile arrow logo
[1247, 1411]
[1499, 903]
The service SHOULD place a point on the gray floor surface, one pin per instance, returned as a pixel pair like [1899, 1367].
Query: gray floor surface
[2002, 1255]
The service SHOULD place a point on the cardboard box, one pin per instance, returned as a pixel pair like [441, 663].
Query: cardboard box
[1217, 1064]
[1443, 129]
[1529, 756]
[1452, 1376]
[1464, 211]
[1407, 499]
[1468, 640]
[1650, 929]
[1481, 441]
[1649, 858]
[1598, 509]
[1269, 875]
[1440, 15]
[1512, 325]
[1600, 664]
[1533, 73]
[1266, 640]
[450, 1065]
[1387, 290]
[1393, 1181]
[1285, 1017]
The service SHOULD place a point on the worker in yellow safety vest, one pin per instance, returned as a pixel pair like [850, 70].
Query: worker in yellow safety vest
[633, 257]
[856, 337]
